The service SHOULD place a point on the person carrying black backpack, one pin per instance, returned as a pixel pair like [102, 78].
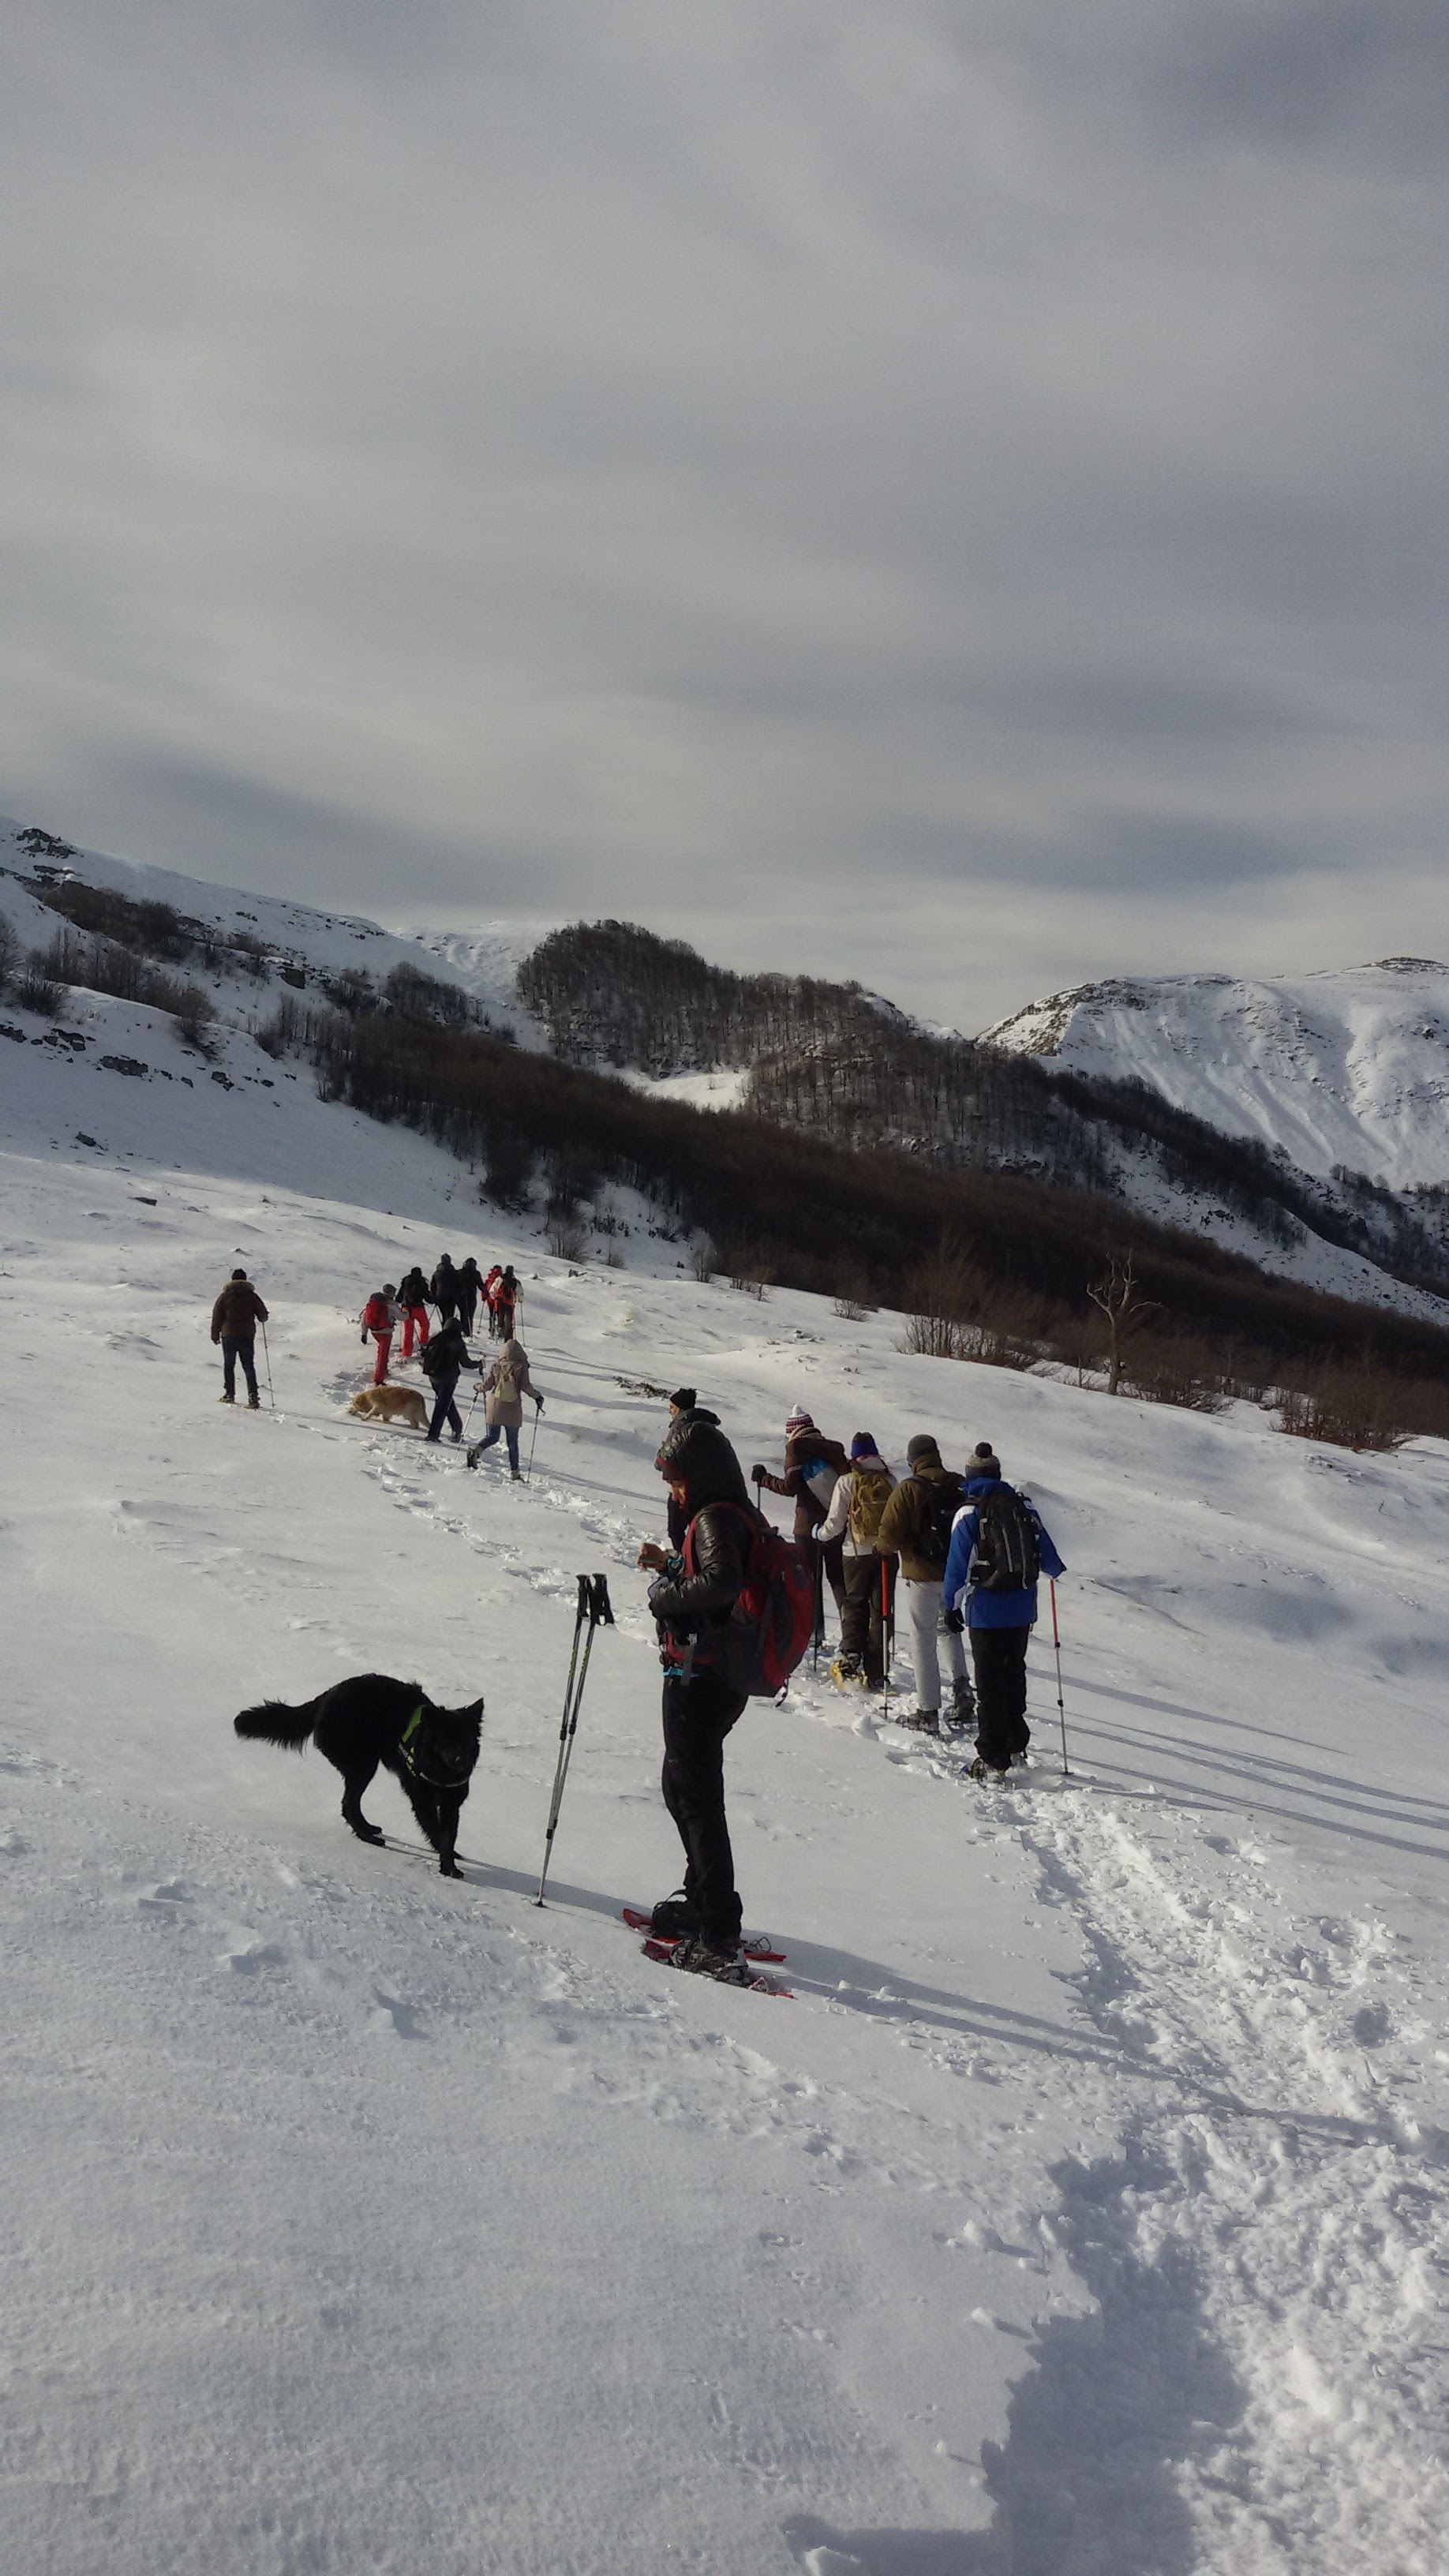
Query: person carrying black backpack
[999, 1548]
[443, 1363]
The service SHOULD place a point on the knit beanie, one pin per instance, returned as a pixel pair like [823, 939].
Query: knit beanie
[862, 1446]
[684, 1399]
[238, 1274]
[983, 1461]
[921, 1446]
[799, 1420]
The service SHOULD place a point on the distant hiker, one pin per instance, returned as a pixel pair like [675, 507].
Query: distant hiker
[234, 1320]
[444, 1360]
[412, 1297]
[444, 1289]
[916, 1527]
[999, 1547]
[696, 1589]
[505, 1302]
[490, 1286]
[684, 1401]
[505, 1384]
[853, 1519]
[812, 1464]
[470, 1289]
[379, 1317]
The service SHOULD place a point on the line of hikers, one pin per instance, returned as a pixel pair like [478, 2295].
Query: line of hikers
[456, 1290]
[968, 1550]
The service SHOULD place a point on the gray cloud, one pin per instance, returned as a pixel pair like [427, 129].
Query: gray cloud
[914, 467]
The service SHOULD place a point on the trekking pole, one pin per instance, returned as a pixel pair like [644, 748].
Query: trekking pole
[267, 1356]
[533, 1444]
[1061, 1704]
[817, 1641]
[885, 1637]
[593, 1609]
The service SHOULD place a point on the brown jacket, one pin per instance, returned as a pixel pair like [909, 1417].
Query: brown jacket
[903, 1522]
[237, 1312]
[507, 1411]
[810, 1506]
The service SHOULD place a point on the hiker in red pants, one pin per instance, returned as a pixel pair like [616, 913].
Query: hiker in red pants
[379, 1317]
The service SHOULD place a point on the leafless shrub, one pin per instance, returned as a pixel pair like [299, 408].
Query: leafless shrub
[704, 1261]
[1354, 1408]
[566, 1234]
[932, 1337]
[37, 988]
[1186, 1372]
[850, 1310]
[9, 952]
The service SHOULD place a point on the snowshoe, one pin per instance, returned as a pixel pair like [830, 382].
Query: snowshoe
[922, 1721]
[674, 1918]
[980, 1770]
[846, 1674]
[699, 1958]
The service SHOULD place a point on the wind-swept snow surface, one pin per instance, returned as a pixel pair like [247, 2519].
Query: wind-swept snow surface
[1084, 2213]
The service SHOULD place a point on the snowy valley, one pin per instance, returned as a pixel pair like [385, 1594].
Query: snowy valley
[1086, 2209]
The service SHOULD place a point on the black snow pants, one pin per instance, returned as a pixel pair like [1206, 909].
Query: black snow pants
[698, 1715]
[999, 1656]
[232, 1350]
[444, 1409]
[862, 1624]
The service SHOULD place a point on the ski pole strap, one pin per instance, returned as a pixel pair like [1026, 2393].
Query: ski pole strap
[594, 1601]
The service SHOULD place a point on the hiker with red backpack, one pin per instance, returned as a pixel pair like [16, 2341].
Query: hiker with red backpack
[854, 1518]
[999, 1549]
[380, 1317]
[733, 1609]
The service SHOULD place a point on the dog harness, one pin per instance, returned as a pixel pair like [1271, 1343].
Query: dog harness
[408, 1757]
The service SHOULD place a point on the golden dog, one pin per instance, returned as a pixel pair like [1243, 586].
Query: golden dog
[390, 1404]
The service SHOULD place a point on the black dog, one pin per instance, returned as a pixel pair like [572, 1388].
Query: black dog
[373, 1719]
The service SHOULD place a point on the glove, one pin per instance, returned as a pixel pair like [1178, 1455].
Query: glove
[538, 1404]
[757, 1475]
[954, 1621]
[362, 1337]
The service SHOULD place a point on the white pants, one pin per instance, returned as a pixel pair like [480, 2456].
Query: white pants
[923, 1608]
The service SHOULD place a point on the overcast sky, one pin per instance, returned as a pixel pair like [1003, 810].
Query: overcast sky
[952, 494]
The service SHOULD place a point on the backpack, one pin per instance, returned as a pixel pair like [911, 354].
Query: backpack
[1006, 1557]
[505, 1383]
[441, 1358]
[943, 1502]
[871, 1491]
[376, 1315]
[773, 1618]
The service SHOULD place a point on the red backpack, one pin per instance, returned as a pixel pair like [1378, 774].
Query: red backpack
[773, 1618]
[375, 1315]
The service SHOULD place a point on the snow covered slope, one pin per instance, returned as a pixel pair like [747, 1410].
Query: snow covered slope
[484, 961]
[1348, 1068]
[1086, 2209]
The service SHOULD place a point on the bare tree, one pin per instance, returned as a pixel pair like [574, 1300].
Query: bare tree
[1116, 1294]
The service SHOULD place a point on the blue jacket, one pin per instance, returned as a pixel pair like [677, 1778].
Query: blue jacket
[992, 1609]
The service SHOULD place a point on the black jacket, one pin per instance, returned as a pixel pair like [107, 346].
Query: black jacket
[447, 1355]
[413, 1291]
[696, 1454]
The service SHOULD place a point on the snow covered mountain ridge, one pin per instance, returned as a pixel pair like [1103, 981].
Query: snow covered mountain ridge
[1343, 1070]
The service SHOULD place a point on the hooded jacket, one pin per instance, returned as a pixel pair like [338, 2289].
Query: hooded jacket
[695, 1453]
[992, 1609]
[447, 1355]
[812, 1464]
[903, 1522]
[506, 1411]
[237, 1312]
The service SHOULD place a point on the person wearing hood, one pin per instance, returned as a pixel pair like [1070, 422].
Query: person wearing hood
[504, 1386]
[998, 1547]
[696, 1587]
[505, 1301]
[854, 1519]
[916, 1527]
[812, 1464]
[684, 1401]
